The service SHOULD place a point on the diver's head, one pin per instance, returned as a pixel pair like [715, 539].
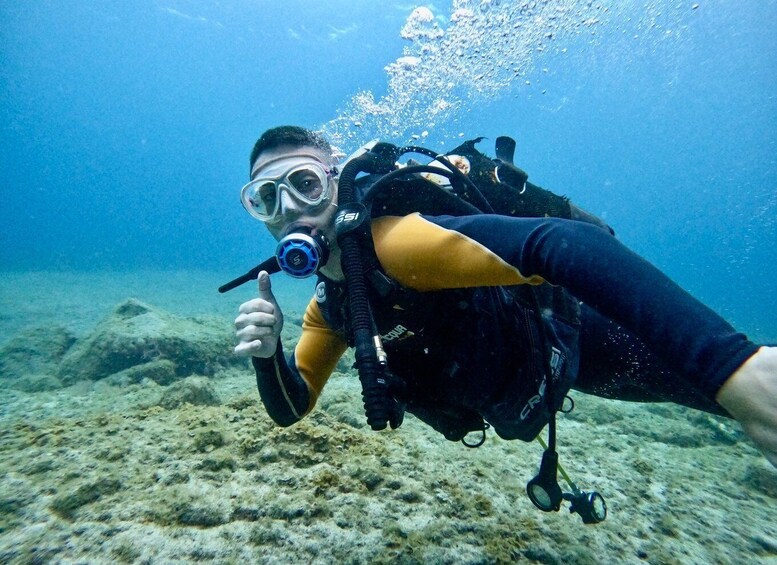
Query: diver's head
[293, 181]
[293, 186]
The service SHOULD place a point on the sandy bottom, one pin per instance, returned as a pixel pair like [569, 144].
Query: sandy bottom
[97, 473]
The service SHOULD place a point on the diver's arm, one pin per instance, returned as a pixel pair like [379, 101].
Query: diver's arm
[258, 328]
[430, 253]
[259, 323]
[289, 389]
[283, 391]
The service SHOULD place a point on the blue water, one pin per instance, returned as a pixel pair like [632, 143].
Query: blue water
[126, 126]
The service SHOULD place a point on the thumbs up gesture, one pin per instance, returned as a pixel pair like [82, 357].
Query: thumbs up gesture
[259, 323]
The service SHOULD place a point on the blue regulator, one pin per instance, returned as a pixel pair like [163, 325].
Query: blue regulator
[301, 255]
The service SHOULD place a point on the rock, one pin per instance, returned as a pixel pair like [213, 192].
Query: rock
[761, 478]
[29, 361]
[161, 371]
[16, 493]
[67, 504]
[190, 513]
[209, 440]
[193, 390]
[137, 334]
[37, 383]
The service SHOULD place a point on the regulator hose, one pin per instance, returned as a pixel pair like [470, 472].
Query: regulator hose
[380, 407]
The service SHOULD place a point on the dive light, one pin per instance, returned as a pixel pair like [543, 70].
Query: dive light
[545, 492]
[590, 505]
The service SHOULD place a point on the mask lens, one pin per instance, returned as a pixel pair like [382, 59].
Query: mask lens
[260, 199]
[308, 182]
[265, 198]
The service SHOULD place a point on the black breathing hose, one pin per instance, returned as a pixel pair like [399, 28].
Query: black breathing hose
[387, 179]
[379, 406]
[270, 265]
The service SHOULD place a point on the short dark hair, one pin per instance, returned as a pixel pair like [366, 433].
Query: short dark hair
[291, 136]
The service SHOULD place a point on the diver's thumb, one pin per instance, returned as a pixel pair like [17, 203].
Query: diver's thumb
[265, 287]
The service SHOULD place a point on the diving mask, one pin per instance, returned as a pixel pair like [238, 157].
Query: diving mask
[302, 177]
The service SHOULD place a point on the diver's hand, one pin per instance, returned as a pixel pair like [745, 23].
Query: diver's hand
[259, 324]
[750, 395]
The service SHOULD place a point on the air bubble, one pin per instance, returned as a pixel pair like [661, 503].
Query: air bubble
[486, 48]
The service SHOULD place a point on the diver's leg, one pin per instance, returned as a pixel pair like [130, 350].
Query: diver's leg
[686, 335]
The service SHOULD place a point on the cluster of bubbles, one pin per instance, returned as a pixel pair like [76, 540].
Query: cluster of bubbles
[480, 50]
[485, 47]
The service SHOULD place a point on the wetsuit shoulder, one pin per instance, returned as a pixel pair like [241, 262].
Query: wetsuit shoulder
[428, 253]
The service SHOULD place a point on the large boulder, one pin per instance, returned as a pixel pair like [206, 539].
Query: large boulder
[137, 334]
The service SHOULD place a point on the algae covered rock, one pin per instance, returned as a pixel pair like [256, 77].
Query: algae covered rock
[136, 334]
[29, 361]
[36, 382]
[67, 503]
[161, 371]
[192, 390]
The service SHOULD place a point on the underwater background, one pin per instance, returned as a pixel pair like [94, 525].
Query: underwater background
[128, 431]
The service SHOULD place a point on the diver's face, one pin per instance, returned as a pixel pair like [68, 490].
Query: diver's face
[294, 192]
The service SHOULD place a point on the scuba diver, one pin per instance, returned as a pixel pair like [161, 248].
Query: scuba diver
[475, 300]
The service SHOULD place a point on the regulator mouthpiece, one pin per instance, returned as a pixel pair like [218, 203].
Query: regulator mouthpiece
[301, 255]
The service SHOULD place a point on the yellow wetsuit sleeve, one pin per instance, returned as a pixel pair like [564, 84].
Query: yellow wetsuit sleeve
[317, 352]
[425, 256]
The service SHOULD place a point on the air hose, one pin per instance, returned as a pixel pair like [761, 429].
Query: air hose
[352, 218]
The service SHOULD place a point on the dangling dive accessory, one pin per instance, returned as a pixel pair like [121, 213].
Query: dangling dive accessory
[543, 490]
